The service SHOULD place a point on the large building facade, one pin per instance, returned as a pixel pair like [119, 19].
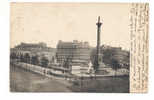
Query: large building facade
[32, 49]
[76, 52]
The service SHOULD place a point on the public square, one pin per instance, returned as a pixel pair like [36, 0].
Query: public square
[27, 81]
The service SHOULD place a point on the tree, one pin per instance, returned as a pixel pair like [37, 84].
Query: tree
[21, 58]
[27, 58]
[108, 56]
[44, 62]
[13, 55]
[35, 60]
[115, 65]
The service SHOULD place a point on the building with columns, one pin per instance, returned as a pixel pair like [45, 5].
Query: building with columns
[76, 52]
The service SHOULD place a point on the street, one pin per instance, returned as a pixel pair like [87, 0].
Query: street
[25, 81]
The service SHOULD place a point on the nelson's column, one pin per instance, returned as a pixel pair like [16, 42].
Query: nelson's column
[98, 59]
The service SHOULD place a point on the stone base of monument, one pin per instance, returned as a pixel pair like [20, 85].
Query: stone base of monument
[101, 66]
[102, 69]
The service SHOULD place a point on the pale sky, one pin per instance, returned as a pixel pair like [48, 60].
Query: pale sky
[50, 22]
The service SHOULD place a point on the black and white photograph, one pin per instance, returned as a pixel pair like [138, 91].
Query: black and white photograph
[70, 47]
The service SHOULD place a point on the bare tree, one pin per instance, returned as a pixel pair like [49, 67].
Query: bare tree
[115, 65]
[21, 58]
[27, 58]
[35, 60]
[44, 62]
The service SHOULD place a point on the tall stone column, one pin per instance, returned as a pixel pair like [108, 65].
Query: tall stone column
[98, 55]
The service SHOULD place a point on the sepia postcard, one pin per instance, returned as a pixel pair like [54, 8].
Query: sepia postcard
[79, 47]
